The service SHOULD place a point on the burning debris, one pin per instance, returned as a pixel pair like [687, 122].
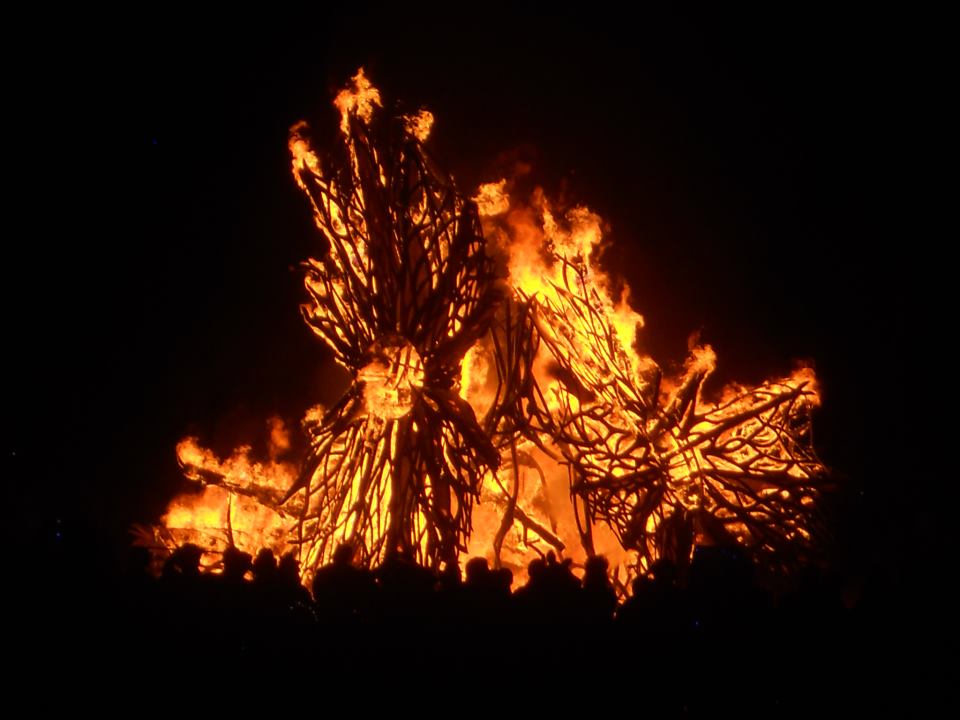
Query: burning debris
[499, 404]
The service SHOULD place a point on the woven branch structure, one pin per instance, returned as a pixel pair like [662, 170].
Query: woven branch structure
[403, 292]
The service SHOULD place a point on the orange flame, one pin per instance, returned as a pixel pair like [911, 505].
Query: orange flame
[235, 505]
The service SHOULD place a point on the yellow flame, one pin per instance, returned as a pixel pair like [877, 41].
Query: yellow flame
[492, 199]
[359, 100]
[420, 125]
[233, 511]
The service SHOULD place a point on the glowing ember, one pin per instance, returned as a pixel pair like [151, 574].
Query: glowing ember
[503, 419]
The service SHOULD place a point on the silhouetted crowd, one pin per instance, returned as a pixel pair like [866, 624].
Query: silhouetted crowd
[680, 636]
[258, 605]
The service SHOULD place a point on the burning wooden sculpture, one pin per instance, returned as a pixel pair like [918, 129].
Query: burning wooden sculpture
[515, 383]
[404, 291]
[647, 456]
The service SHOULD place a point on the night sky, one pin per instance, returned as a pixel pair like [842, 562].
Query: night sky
[756, 172]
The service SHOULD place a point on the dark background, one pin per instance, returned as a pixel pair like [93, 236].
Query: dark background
[764, 177]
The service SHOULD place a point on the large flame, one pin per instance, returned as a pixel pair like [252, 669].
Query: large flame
[238, 502]
[537, 402]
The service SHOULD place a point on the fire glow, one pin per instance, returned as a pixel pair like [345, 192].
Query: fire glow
[500, 406]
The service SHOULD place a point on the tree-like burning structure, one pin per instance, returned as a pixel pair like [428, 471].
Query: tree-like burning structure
[472, 375]
[648, 457]
[651, 459]
[403, 292]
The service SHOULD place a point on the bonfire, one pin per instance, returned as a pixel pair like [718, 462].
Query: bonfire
[501, 404]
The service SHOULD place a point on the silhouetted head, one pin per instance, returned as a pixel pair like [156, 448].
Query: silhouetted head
[595, 570]
[288, 569]
[265, 566]
[185, 560]
[477, 570]
[596, 564]
[343, 555]
[536, 568]
[236, 563]
[450, 575]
